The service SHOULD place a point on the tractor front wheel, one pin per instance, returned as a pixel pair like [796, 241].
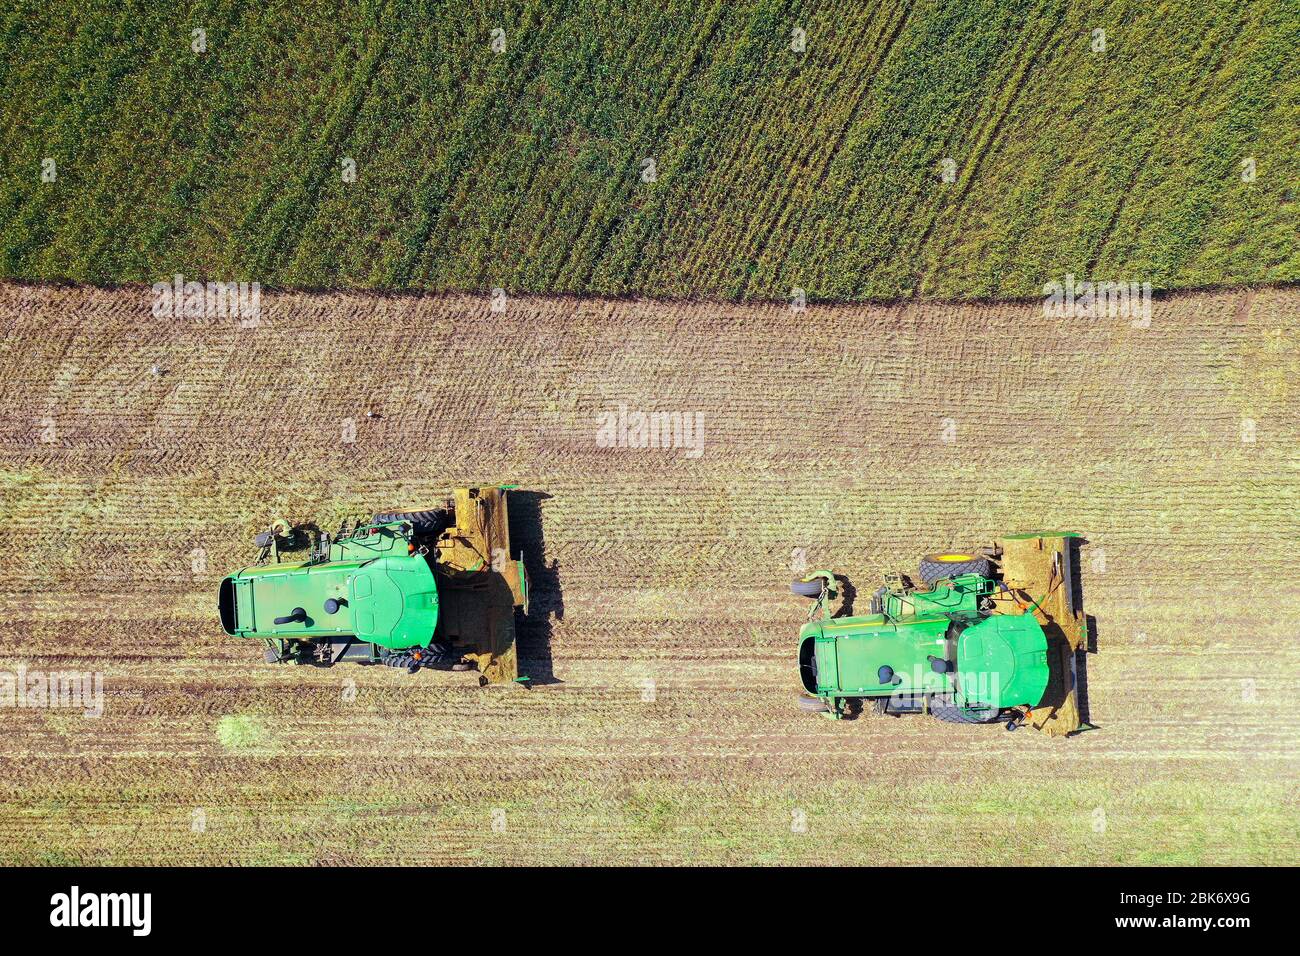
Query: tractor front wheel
[809, 589]
[813, 705]
[431, 522]
[948, 564]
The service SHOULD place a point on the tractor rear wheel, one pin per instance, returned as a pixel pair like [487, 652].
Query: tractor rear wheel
[949, 564]
[434, 521]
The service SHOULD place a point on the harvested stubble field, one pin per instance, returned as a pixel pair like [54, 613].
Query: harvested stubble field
[864, 434]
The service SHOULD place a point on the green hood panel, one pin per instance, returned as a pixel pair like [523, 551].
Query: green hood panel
[850, 652]
[271, 591]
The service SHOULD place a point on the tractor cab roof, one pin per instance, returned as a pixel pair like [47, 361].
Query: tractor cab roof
[394, 602]
[1002, 661]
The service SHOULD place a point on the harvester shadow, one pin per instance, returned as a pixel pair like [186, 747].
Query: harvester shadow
[847, 594]
[1090, 643]
[545, 597]
[1081, 675]
[300, 539]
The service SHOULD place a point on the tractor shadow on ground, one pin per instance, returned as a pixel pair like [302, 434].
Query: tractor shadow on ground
[303, 535]
[1081, 674]
[545, 596]
[847, 595]
[1090, 645]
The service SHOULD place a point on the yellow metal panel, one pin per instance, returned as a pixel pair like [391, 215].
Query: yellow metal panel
[478, 583]
[1042, 570]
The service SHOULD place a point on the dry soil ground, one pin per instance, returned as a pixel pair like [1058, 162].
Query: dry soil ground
[864, 435]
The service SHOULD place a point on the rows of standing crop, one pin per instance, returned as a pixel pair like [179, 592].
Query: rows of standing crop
[684, 148]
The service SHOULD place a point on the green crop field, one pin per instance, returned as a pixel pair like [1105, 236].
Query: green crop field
[664, 148]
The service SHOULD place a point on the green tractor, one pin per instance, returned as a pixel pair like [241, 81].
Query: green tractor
[967, 644]
[435, 588]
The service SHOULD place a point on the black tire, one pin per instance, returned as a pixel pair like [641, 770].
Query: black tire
[937, 567]
[437, 655]
[952, 714]
[808, 589]
[434, 521]
[813, 705]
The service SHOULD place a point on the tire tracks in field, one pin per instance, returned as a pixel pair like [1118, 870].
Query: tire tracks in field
[219, 118]
[603, 232]
[94, 92]
[677, 700]
[985, 140]
[275, 246]
[1211, 46]
[861, 96]
[759, 239]
[432, 190]
[1120, 205]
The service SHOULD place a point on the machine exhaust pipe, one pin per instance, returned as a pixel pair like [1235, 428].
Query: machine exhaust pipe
[297, 614]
